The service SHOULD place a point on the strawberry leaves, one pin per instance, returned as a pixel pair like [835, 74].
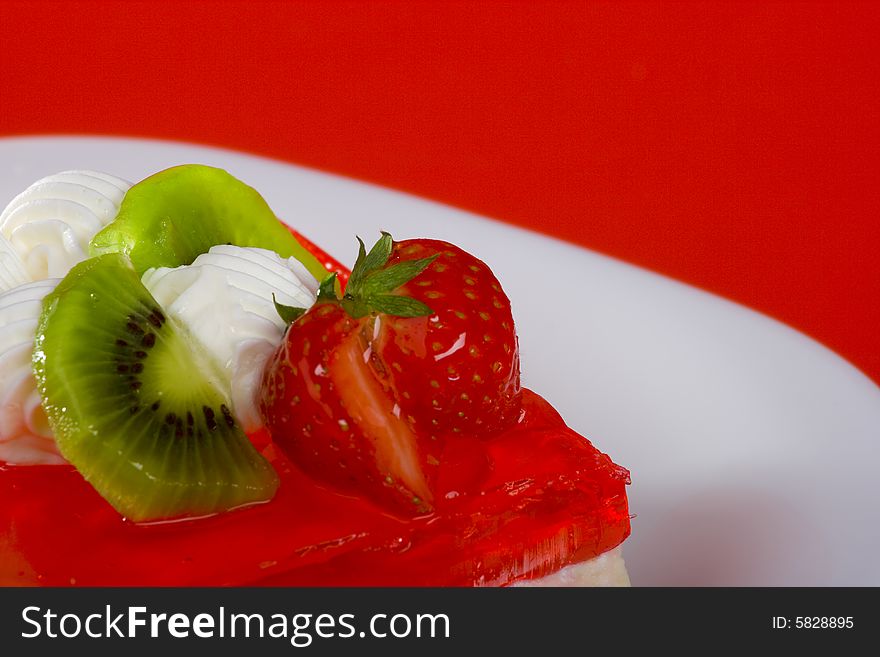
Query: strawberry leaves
[391, 304]
[327, 289]
[371, 286]
[368, 263]
[288, 314]
[326, 292]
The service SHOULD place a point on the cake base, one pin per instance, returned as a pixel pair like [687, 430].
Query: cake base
[605, 570]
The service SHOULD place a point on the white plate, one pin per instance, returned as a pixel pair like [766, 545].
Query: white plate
[754, 450]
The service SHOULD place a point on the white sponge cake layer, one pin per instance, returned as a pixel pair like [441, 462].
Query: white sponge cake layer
[605, 570]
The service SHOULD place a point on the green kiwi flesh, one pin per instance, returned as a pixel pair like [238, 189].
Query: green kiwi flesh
[136, 405]
[171, 217]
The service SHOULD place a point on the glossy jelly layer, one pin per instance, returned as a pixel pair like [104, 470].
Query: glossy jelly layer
[546, 498]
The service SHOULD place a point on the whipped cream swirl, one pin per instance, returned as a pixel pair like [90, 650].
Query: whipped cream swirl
[50, 224]
[12, 271]
[25, 437]
[224, 299]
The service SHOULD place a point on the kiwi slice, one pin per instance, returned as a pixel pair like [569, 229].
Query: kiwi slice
[171, 217]
[138, 406]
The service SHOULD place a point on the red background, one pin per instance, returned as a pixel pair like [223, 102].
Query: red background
[735, 146]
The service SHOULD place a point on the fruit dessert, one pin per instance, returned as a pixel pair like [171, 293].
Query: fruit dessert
[193, 394]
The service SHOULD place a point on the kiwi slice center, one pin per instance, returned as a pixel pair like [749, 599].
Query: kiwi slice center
[136, 404]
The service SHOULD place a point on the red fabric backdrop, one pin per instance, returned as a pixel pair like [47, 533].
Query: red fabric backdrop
[735, 146]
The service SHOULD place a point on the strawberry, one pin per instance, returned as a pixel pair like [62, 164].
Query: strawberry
[386, 391]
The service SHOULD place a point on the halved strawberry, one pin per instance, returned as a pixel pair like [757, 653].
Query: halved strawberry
[386, 390]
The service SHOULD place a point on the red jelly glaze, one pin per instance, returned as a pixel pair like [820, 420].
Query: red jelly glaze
[548, 499]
